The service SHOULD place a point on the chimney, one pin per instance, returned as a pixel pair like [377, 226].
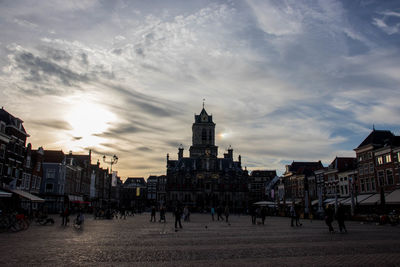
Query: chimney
[180, 153]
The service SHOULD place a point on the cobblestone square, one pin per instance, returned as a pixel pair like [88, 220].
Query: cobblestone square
[137, 242]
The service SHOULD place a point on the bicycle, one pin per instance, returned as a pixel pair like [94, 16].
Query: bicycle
[13, 222]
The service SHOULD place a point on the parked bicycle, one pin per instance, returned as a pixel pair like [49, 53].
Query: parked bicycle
[13, 222]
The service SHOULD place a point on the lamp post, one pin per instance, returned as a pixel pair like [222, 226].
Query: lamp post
[112, 161]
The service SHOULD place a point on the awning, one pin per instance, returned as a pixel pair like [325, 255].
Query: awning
[328, 200]
[73, 198]
[264, 203]
[27, 195]
[5, 194]
[333, 201]
[314, 202]
[80, 202]
[371, 200]
[393, 198]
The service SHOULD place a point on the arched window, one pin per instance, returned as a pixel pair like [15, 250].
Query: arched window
[204, 136]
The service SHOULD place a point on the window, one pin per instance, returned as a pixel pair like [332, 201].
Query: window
[28, 161]
[2, 150]
[381, 178]
[398, 156]
[368, 184]
[389, 176]
[373, 184]
[365, 168]
[361, 171]
[38, 167]
[380, 160]
[388, 158]
[371, 167]
[362, 182]
[33, 181]
[346, 190]
[38, 182]
[49, 187]
[204, 136]
[23, 181]
[50, 173]
[27, 181]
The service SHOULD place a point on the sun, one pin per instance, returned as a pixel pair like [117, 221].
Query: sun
[86, 120]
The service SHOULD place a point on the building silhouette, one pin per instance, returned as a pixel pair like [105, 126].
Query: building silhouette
[203, 180]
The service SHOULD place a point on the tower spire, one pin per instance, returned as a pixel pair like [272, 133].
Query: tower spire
[203, 101]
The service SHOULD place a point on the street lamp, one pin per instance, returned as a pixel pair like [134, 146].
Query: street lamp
[112, 161]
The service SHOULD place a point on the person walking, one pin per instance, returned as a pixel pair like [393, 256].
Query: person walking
[122, 212]
[212, 213]
[297, 209]
[186, 214]
[253, 213]
[219, 213]
[65, 216]
[153, 214]
[263, 213]
[329, 218]
[340, 216]
[292, 215]
[178, 215]
[226, 213]
[162, 214]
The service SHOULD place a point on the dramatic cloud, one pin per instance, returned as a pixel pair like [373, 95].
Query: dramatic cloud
[285, 80]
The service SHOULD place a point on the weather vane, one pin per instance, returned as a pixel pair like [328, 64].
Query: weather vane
[203, 101]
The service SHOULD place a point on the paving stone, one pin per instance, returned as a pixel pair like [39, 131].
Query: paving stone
[137, 242]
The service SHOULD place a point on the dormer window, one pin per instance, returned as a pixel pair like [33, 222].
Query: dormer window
[2, 127]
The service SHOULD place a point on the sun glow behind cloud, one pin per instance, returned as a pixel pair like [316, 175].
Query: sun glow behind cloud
[87, 119]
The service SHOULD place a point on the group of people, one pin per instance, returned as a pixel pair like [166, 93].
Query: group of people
[295, 215]
[260, 212]
[153, 214]
[78, 221]
[220, 211]
[340, 217]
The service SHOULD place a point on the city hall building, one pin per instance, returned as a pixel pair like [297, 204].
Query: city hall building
[203, 180]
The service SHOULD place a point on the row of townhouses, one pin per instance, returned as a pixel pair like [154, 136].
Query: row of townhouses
[368, 182]
[37, 176]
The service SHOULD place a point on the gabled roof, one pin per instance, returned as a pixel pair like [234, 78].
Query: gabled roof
[152, 178]
[265, 173]
[377, 138]
[343, 164]
[10, 120]
[134, 181]
[301, 167]
[197, 118]
[80, 160]
[53, 156]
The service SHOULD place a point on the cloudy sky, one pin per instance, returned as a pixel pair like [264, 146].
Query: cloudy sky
[284, 80]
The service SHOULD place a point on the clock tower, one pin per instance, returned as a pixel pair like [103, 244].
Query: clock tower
[203, 136]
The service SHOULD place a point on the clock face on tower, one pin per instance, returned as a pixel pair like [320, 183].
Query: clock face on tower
[204, 117]
[208, 152]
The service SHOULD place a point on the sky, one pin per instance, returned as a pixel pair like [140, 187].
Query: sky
[284, 80]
